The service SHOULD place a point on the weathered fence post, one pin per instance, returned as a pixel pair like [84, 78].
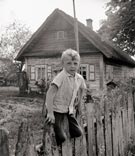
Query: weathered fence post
[49, 142]
[25, 144]
[4, 144]
[70, 147]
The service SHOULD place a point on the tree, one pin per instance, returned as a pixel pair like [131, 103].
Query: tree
[12, 40]
[119, 27]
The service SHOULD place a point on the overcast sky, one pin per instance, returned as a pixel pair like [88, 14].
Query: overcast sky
[34, 12]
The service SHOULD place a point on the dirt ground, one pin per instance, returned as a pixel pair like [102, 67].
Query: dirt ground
[15, 108]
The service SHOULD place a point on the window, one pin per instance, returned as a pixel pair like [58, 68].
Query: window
[32, 73]
[109, 72]
[92, 72]
[84, 71]
[40, 72]
[43, 72]
[60, 35]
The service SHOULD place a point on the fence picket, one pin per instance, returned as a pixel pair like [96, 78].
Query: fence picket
[100, 136]
[49, 142]
[108, 135]
[67, 148]
[120, 134]
[91, 132]
[4, 144]
[25, 143]
[115, 135]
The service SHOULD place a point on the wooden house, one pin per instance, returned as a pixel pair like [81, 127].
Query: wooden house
[100, 61]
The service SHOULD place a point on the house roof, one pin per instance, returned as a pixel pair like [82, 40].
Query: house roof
[108, 50]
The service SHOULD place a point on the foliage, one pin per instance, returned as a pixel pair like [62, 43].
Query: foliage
[7, 67]
[119, 27]
[12, 40]
[43, 85]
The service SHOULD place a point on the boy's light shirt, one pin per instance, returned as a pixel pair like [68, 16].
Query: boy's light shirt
[68, 87]
[75, 90]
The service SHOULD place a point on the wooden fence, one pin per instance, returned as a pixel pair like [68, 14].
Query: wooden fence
[111, 125]
[110, 130]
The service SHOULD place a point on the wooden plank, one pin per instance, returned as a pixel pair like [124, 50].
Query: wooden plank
[121, 146]
[100, 136]
[107, 106]
[108, 135]
[131, 115]
[50, 147]
[80, 142]
[125, 129]
[67, 148]
[91, 134]
[100, 124]
[4, 143]
[117, 132]
[67, 145]
[84, 151]
[80, 146]
[25, 143]
[115, 135]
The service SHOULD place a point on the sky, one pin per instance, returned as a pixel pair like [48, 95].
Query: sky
[33, 13]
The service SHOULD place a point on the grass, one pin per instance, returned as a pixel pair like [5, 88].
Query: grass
[14, 108]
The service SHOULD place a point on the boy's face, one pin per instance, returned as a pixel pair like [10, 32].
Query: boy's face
[71, 65]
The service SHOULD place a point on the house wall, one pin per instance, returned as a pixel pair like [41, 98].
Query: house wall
[118, 73]
[92, 60]
[103, 72]
[129, 72]
[56, 66]
[114, 72]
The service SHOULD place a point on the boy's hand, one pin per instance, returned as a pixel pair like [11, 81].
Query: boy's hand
[50, 119]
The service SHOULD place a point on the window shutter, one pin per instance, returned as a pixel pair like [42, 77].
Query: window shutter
[92, 72]
[32, 73]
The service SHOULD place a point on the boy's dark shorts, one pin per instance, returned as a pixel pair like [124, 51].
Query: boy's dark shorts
[75, 129]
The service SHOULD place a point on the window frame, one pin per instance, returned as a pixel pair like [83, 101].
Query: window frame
[43, 72]
[60, 35]
[87, 69]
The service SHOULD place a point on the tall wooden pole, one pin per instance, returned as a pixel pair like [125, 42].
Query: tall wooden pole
[76, 28]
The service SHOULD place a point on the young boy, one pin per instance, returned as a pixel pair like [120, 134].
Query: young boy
[60, 99]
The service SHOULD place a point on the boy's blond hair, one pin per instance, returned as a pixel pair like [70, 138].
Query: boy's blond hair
[70, 52]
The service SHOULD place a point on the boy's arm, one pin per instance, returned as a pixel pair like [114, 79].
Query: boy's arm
[82, 93]
[49, 103]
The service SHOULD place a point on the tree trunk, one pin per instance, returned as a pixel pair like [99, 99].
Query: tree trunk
[4, 144]
[25, 144]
